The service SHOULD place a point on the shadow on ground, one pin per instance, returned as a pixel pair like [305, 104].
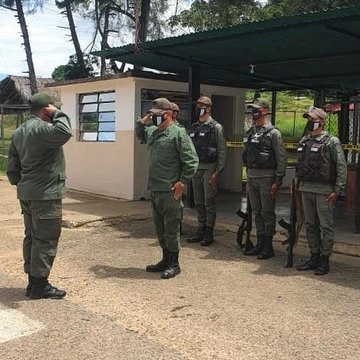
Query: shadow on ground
[11, 297]
[104, 271]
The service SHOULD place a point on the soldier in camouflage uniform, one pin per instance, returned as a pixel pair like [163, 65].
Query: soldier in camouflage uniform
[265, 159]
[36, 165]
[322, 174]
[172, 164]
[208, 138]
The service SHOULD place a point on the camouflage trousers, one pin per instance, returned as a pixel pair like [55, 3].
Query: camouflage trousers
[167, 214]
[42, 220]
[319, 222]
[263, 205]
[205, 198]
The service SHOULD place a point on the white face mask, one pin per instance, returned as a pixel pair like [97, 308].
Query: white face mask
[312, 125]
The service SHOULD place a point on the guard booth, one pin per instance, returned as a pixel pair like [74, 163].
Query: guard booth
[318, 51]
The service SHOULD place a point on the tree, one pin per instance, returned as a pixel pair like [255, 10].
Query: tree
[212, 14]
[66, 6]
[17, 6]
[276, 8]
[72, 70]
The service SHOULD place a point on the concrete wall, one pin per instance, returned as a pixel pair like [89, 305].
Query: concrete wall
[101, 167]
[120, 168]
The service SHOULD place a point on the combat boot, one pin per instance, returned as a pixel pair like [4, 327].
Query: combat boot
[323, 267]
[310, 264]
[42, 289]
[161, 265]
[198, 236]
[267, 251]
[208, 238]
[174, 268]
[29, 285]
[256, 250]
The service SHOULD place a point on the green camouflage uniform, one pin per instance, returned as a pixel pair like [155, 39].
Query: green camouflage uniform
[204, 194]
[319, 219]
[172, 158]
[259, 186]
[36, 165]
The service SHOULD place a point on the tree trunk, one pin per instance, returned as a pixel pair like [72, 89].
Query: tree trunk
[144, 20]
[25, 35]
[74, 37]
[104, 43]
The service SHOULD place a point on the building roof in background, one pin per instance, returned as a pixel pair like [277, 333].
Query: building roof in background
[15, 90]
[314, 51]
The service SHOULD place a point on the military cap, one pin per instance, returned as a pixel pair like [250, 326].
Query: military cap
[175, 107]
[204, 100]
[160, 105]
[315, 112]
[41, 100]
[260, 103]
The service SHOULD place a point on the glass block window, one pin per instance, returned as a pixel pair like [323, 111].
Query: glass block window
[97, 116]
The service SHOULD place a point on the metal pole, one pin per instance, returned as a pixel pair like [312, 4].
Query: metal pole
[194, 94]
[357, 203]
[273, 107]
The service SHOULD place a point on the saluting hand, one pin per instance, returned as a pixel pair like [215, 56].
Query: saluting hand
[178, 190]
[213, 180]
[146, 119]
[331, 199]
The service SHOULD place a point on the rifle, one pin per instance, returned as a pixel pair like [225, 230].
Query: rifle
[293, 228]
[245, 226]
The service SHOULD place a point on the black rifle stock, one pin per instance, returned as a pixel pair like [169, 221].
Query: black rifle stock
[245, 227]
[291, 227]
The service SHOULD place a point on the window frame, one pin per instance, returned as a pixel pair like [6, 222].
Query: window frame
[97, 112]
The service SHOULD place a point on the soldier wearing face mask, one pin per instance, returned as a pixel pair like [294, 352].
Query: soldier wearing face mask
[172, 164]
[207, 136]
[322, 174]
[176, 111]
[265, 160]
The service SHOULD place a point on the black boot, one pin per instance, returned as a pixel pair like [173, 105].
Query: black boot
[256, 250]
[29, 286]
[161, 265]
[42, 289]
[323, 267]
[310, 264]
[208, 238]
[267, 251]
[198, 236]
[174, 268]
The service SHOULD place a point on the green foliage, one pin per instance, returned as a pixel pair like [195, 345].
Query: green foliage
[276, 8]
[72, 70]
[212, 14]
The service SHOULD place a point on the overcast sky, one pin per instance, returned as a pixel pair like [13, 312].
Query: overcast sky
[50, 44]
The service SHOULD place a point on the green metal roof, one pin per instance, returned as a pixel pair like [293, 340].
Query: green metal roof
[315, 51]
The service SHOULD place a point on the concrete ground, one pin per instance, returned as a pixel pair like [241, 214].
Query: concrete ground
[222, 306]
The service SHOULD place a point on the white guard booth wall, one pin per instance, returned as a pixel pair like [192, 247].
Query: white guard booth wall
[119, 168]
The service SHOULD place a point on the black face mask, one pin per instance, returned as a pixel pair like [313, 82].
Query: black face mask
[256, 114]
[312, 125]
[157, 119]
[200, 112]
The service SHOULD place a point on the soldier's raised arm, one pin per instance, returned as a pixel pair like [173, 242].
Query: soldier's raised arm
[58, 132]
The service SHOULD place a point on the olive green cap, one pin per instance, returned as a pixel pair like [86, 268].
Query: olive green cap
[204, 100]
[315, 112]
[260, 103]
[41, 100]
[175, 107]
[160, 105]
